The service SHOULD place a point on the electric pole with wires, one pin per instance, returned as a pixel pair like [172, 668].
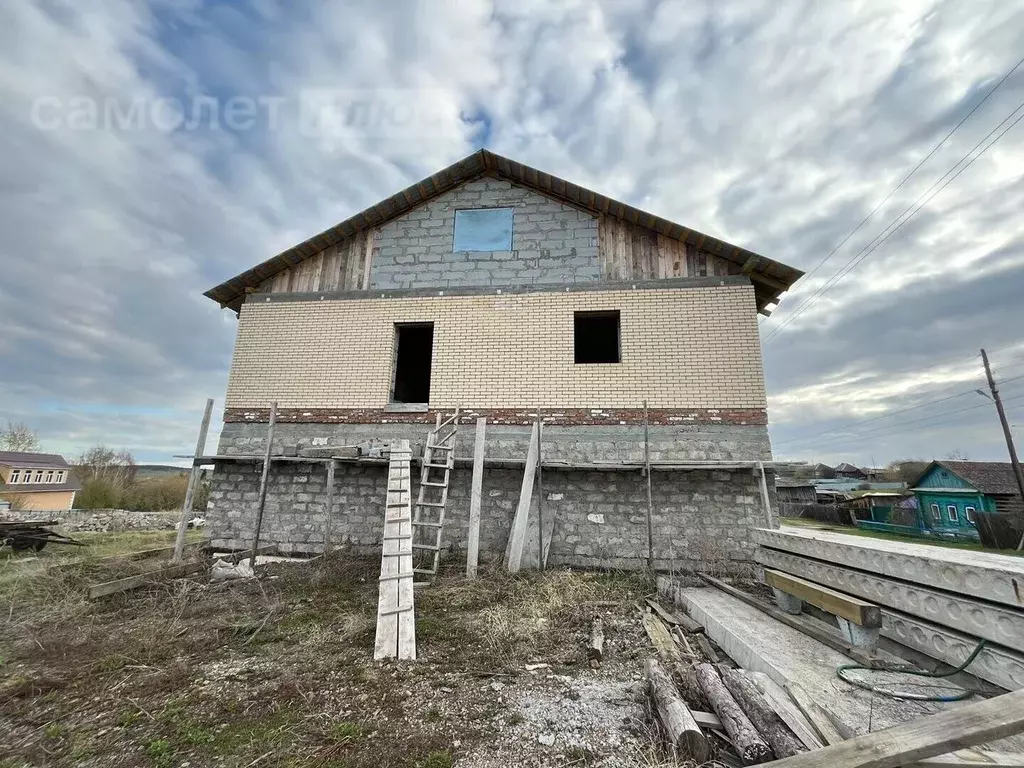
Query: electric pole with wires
[1006, 432]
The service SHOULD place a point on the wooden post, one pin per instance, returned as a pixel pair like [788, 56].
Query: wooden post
[650, 504]
[193, 480]
[330, 507]
[263, 485]
[595, 652]
[475, 496]
[1017, 473]
[765, 500]
[516, 538]
[540, 493]
[676, 718]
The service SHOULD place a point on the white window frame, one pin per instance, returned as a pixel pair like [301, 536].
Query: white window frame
[49, 476]
[60, 476]
[971, 513]
[953, 513]
[15, 476]
[936, 512]
[39, 476]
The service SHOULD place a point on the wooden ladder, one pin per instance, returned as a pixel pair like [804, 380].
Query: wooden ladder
[435, 476]
[396, 618]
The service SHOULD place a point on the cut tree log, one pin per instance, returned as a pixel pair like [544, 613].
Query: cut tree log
[595, 653]
[669, 653]
[922, 738]
[680, 727]
[782, 741]
[749, 745]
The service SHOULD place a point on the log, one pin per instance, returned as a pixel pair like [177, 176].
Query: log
[749, 745]
[595, 653]
[669, 653]
[673, 714]
[782, 741]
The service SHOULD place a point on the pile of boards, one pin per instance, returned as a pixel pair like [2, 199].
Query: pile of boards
[762, 720]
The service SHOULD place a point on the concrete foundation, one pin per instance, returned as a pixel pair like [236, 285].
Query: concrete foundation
[702, 519]
[991, 577]
[993, 622]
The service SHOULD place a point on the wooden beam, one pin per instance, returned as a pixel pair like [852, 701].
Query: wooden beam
[922, 738]
[329, 504]
[675, 619]
[977, 757]
[193, 480]
[264, 477]
[817, 716]
[514, 555]
[132, 582]
[650, 503]
[837, 603]
[475, 498]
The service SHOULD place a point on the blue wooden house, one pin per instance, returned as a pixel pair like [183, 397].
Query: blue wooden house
[954, 495]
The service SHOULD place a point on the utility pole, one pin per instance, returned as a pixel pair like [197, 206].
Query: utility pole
[1006, 432]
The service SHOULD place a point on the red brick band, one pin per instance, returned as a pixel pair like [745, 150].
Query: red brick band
[552, 416]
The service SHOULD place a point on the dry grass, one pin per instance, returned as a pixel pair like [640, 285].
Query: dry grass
[274, 672]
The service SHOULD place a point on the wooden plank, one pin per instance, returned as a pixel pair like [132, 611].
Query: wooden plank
[264, 477]
[838, 603]
[817, 716]
[674, 619]
[514, 553]
[706, 719]
[396, 629]
[784, 707]
[475, 498]
[661, 639]
[922, 738]
[650, 503]
[194, 476]
[132, 582]
[975, 756]
[369, 235]
[329, 505]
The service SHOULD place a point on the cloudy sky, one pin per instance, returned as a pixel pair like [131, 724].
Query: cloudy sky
[776, 125]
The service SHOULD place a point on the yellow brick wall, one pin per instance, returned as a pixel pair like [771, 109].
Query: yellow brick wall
[681, 348]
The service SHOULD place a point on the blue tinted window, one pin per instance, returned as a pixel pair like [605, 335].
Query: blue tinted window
[483, 229]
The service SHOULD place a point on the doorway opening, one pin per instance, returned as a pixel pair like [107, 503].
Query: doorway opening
[414, 350]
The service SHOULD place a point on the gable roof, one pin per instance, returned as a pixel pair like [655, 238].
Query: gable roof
[773, 277]
[19, 460]
[992, 477]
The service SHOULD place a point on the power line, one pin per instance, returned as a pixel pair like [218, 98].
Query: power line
[916, 168]
[896, 223]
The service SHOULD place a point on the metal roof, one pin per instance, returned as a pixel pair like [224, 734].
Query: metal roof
[19, 460]
[771, 277]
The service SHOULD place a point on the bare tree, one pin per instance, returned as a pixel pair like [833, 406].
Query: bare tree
[102, 463]
[18, 438]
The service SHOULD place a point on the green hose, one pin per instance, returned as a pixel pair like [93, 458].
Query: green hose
[905, 694]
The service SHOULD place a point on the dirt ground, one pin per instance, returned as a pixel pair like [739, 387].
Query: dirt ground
[279, 672]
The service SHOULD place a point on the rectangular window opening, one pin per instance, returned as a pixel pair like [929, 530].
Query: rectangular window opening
[414, 351]
[596, 337]
[971, 514]
[483, 229]
[15, 476]
[936, 512]
[954, 516]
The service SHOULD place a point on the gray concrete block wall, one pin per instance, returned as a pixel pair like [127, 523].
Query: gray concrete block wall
[702, 519]
[551, 242]
[685, 442]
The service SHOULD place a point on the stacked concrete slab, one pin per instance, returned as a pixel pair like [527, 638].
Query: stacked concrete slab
[937, 600]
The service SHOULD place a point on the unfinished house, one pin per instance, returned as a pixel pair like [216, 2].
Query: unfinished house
[510, 294]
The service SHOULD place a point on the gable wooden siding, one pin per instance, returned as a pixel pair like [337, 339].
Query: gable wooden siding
[344, 266]
[631, 252]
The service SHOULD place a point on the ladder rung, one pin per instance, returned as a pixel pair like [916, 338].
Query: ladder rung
[403, 519]
[424, 570]
[403, 609]
[431, 547]
[442, 447]
[432, 484]
[427, 525]
[437, 466]
[429, 504]
[398, 537]
[393, 576]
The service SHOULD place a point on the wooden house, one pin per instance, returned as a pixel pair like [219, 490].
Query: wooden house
[952, 495]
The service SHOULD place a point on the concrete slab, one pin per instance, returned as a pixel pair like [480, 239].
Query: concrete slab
[760, 643]
[994, 622]
[999, 578]
[994, 664]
